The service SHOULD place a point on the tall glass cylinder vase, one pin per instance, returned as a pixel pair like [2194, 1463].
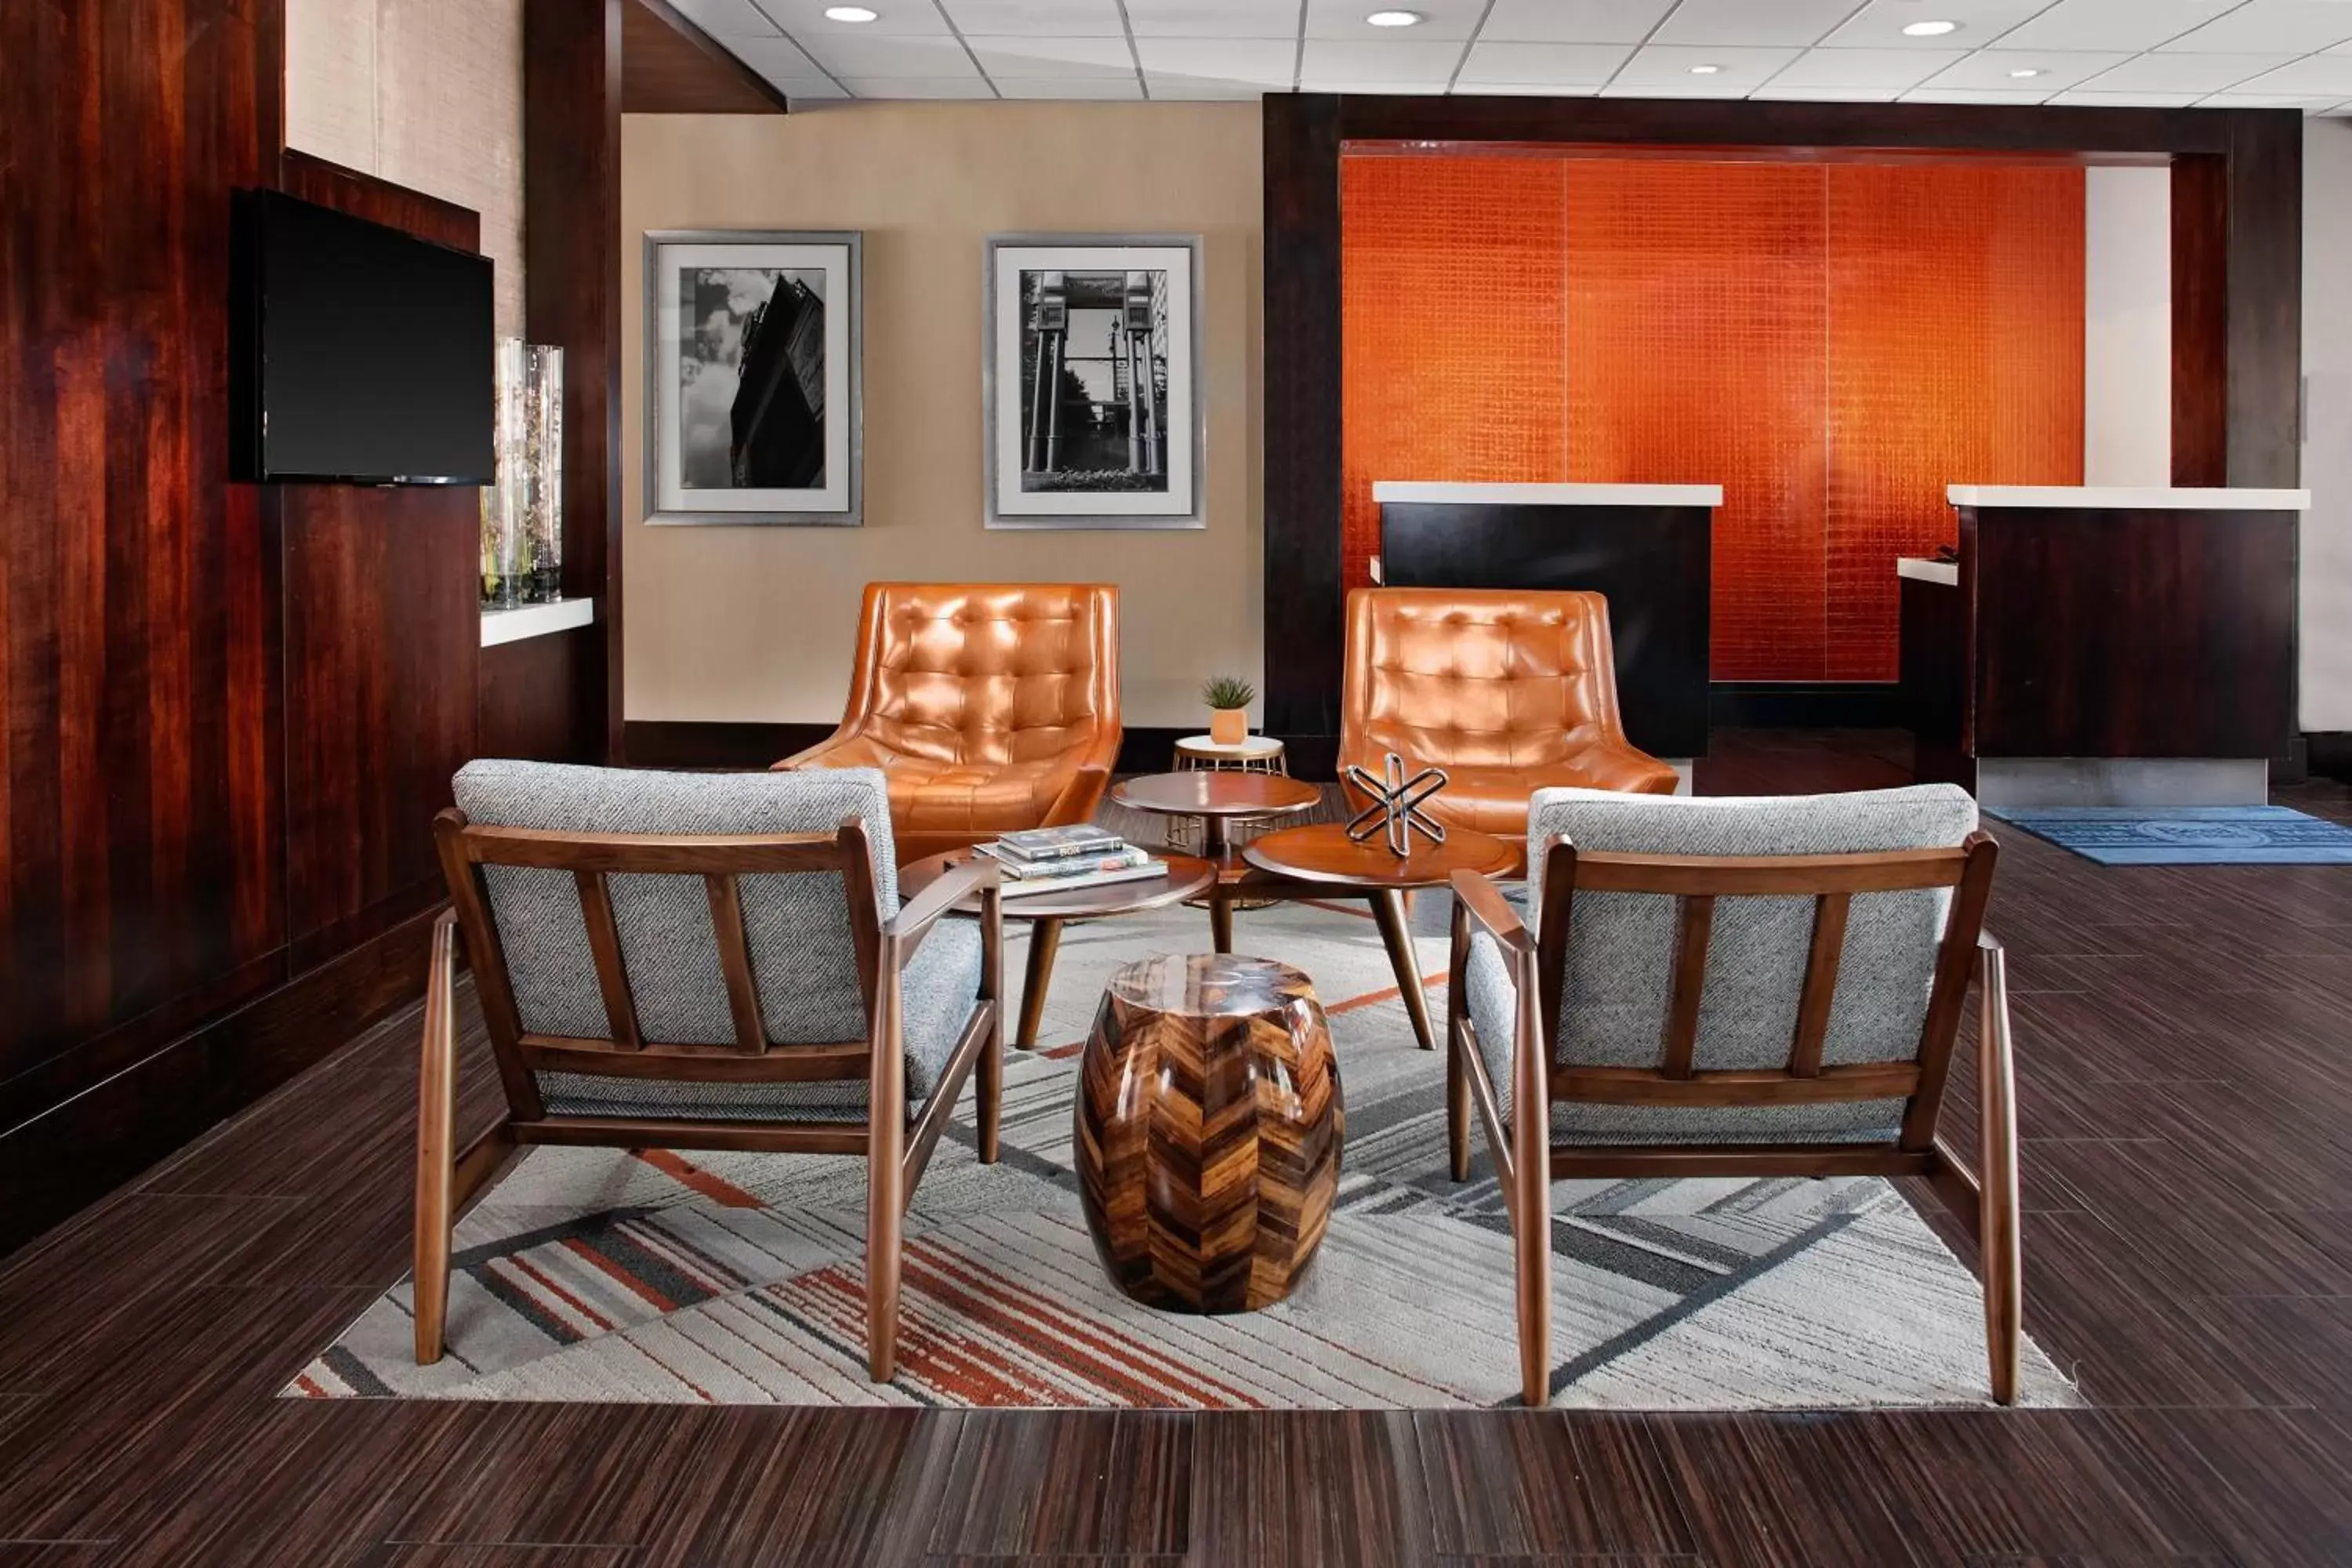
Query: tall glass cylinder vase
[502, 499]
[542, 456]
[522, 509]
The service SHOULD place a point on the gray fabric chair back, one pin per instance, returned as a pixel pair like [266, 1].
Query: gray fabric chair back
[1621, 950]
[797, 923]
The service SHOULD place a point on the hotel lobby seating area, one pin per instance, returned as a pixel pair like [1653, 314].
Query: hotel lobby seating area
[971, 784]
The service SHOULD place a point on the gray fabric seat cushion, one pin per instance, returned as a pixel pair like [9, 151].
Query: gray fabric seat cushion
[941, 986]
[804, 957]
[1620, 957]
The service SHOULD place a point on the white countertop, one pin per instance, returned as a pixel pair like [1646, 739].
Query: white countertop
[1948, 573]
[1428, 493]
[2129, 496]
[535, 620]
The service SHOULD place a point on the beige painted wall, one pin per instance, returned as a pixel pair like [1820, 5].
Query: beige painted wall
[756, 624]
[424, 93]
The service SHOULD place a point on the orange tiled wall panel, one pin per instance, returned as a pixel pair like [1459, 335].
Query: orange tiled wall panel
[1954, 356]
[1694, 355]
[1451, 311]
[1832, 345]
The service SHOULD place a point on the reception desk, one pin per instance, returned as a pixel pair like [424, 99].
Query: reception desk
[1646, 547]
[2105, 646]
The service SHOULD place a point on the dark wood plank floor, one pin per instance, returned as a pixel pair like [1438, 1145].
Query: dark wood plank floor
[2186, 1067]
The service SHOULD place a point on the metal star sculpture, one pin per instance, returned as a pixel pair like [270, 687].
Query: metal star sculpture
[1396, 805]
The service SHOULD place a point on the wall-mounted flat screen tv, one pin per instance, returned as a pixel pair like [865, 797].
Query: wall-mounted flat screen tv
[364, 355]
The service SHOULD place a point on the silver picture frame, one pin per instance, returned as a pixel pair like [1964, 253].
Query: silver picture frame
[839, 500]
[1182, 452]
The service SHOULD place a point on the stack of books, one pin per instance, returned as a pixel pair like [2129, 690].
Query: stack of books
[1060, 860]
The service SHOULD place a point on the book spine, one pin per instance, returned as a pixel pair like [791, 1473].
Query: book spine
[1055, 851]
[1074, 865]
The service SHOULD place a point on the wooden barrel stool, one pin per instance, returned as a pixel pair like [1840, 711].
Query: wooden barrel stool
[1209, 1125]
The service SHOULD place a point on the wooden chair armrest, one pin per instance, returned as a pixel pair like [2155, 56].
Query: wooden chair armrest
[1485, 905]
[914, 922]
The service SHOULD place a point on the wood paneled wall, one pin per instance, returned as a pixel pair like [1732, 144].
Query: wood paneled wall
[230, 710]
[383, 638]
[141, 781]
[572, 223]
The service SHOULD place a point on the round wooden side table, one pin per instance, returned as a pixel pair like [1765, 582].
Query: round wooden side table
[1257, 754]
[1223, 802]
[1201, 753]
[1208, 1129]
[1324, 856]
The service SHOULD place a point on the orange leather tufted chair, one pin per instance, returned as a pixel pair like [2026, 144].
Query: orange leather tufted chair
[1508, 691]
[988, 707]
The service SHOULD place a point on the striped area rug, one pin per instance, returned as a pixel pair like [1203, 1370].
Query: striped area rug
[662, 1277]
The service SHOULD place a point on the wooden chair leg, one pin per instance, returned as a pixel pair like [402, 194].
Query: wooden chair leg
[1387, 908]
[1457, 1048]
[990, 1093]
[436, 1153]
[886, 1197]
[1531, 1182]
[1044, 941]
[1998, 1241]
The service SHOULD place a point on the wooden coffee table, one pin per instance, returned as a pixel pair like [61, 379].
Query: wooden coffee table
[1216, 798]
[1208, 1127]
[1322, 861]
[1186, 878]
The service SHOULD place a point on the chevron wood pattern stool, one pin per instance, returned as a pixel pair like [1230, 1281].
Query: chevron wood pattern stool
[1209, 1123]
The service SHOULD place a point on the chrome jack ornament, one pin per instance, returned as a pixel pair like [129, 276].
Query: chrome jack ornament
[1396, 801]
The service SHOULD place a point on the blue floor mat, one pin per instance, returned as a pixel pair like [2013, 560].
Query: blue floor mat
[2190, 835]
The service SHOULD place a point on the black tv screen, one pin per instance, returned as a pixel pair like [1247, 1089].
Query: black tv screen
[367, 353]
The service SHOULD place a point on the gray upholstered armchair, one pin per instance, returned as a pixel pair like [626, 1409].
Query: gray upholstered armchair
[703, 961]
[1758, 987]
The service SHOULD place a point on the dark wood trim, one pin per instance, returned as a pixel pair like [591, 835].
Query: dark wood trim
[2200, 354]
[533, 695]
[687, 743]
[2237, 288]
[684, 743]
[1805, 705]
[669, 66]
[2328, 753]
[1303, 595]
[571, 297]
[2261, 215]
[75, 1151]
[1152, 751]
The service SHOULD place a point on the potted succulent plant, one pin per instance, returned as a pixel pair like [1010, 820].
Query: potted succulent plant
[1228, 697]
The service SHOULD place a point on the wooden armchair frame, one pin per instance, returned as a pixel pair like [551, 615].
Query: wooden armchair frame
[1526, 1161]
[448, 1180]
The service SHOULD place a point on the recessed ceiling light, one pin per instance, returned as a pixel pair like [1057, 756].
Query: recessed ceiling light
[1394, 18]
[851, 14]
[2022, 72]
[1930, 29]
[1704, 70]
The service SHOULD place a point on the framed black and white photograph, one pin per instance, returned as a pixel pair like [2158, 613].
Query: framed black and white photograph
[753, 408]
[1090, 365]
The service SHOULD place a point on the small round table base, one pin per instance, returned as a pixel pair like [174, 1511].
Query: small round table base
[1209, 1125]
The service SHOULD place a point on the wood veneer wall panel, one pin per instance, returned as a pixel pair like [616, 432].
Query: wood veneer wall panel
[571, 221]
[1955, 353]
[139, 783]
[383, 641]
[1304, 588]
[1694, 343]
